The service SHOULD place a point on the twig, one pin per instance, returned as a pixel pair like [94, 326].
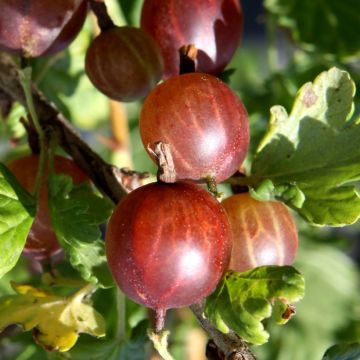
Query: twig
[100, 11]
[131, 179]
[159, 340]
[120, 333]
[25, 81]
[166, 168]
[230, 344]
[212, 187]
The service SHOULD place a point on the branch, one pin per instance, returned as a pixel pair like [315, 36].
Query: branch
[99, 9]
[166, 168]
[230, 345]
[106, 177]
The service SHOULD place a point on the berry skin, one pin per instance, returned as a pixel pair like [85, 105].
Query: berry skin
[124, 63]
[40, 27]
[213, 26]
[41, 242]
[168, 245]
[203, 121]
[264, 232]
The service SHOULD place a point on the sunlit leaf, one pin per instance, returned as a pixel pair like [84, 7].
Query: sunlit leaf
[243, 300]
[329, 305]
[56, 321]
[17, 211]
[309, 157]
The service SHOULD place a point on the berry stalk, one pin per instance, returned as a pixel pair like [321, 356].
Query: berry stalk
[25, 80]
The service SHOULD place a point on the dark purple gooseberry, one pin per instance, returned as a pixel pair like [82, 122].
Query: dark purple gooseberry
[40, 27]
[124, 63]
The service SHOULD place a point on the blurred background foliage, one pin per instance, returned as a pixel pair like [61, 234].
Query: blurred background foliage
[285, 44]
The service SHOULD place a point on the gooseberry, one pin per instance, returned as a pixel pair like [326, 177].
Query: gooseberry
[124, 63]
[264, 232]
[214, 27]
[168, 245]
[40, 27]
[202, 120]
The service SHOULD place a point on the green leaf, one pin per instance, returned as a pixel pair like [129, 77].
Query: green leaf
[56, 321]
[343, 352]
[330, 26]
[17, 212]
[101, 208]
[266, 191]
[331, 302]
[308, 158]
[243, 300]
[76, 213]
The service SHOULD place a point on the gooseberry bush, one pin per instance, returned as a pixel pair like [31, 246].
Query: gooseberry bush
[174, 185]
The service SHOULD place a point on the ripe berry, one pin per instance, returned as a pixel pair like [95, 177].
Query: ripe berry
[124, 63]
[264, 232]
[214, 27]
[203, 121]
[40, 27]
[168, 245]
[41, 242]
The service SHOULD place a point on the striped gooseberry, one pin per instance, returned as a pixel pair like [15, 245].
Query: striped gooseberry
[264, 232]
[202, 120]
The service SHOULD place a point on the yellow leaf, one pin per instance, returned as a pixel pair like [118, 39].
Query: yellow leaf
[56, 321]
